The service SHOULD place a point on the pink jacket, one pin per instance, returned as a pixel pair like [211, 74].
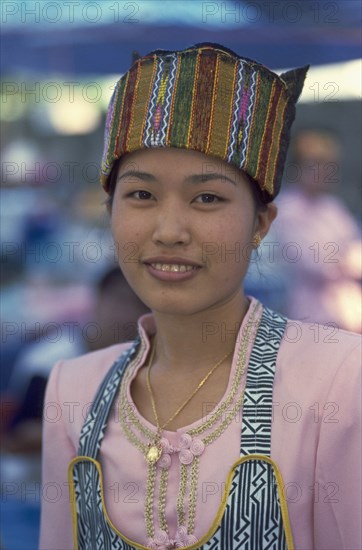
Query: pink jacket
[316, 443]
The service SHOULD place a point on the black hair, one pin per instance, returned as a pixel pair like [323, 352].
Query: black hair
[111, 184]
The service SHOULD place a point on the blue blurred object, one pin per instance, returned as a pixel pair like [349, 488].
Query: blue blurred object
[16, 513]
[20, 501]
[278, 34]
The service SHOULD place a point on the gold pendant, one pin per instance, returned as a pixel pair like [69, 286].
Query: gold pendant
[153, 453]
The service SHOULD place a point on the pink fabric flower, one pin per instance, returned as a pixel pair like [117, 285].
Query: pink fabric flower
[167, 449]
[185, 441]
[189, 448]
[161, 541]
[165, 444]
[183, 539]
[161, 537]
[186, 456]
[197, 447]
[164, 461]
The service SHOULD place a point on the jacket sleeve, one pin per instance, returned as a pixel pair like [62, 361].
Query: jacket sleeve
[58, 450]
[337, 495]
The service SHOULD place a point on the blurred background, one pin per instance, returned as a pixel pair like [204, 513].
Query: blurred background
[62, 293]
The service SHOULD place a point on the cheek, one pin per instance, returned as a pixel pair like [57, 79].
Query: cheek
[232, 229]
[122, 224]
[126, 238]
[230, 244]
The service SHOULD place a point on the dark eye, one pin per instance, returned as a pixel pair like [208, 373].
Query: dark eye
[208, 198]
[142, 195]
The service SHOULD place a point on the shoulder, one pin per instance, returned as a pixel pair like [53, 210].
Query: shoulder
[315, 341]
[317, 385]
[78, 379]
[312, 354]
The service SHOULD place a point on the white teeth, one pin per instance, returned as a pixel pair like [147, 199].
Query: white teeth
[173, 267]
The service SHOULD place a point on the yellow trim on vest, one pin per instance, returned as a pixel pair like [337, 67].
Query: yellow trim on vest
[217, 519]
[73, 503]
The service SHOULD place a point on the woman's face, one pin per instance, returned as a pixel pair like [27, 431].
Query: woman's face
[173, 209]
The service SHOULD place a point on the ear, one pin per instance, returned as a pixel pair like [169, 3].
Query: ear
[264, 219]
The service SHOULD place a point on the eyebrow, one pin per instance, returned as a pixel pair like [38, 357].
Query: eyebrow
[136, 174]
[199, 178]
[194, 178]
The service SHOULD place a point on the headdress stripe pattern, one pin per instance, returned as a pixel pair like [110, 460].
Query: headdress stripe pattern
[223, 109]
[124, 122]
[278, 145]
[264, 157]
[133, 112]
[208, 99]
[119, 115]
[146, 118]
[214, 98]
[110, 137]
[237, 92]
[182, 101]
[258, 126]
[173, 96]
[151, 100]
[168, 99]
[242, 111]
[251, 132]
[251, 106]
[159, 107]
[194, 91]
[144, 81]
[274, 142]
[204, 92]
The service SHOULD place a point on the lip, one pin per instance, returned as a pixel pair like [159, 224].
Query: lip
[170, 260]
[171, 276]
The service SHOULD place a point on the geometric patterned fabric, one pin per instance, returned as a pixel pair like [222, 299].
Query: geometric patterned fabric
[208, 99]
[255, 514]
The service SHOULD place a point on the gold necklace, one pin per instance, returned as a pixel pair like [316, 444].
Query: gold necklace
[155, 448]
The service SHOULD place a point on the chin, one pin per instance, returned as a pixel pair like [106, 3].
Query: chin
[170, 308]
[174, 306]
[187, 306]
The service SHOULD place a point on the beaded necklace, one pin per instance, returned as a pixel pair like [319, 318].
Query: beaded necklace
[155, 449]
[192, 446]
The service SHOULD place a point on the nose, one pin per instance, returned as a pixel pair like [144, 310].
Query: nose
[172, 226]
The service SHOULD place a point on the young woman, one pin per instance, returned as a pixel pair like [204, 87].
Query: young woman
[224, 425]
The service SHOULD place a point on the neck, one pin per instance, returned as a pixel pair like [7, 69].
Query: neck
[189, 342]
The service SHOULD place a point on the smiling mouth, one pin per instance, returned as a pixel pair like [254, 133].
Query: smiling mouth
[175, 268]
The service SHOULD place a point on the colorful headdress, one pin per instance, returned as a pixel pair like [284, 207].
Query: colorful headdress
[208, 99]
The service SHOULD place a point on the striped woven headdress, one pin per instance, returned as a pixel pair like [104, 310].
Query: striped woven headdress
[208, 99]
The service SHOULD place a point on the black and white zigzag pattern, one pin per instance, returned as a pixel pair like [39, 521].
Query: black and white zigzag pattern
[258, 396]
[92, 432]
[94, 532]
[252, 518]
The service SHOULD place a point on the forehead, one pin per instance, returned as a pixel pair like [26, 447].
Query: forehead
[176, 162]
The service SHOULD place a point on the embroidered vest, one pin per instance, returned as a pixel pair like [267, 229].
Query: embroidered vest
[254, 515]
